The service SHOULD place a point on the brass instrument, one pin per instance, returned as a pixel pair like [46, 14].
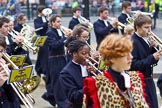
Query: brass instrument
[143, 13]
[19, 88]
[83, 20]
[93, 65]
[119, 23]
[47, 12]
[26, 43]
[130, 20]
[68, 32]
[156, 39]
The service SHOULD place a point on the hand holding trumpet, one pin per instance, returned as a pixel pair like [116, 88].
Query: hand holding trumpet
[19, 39]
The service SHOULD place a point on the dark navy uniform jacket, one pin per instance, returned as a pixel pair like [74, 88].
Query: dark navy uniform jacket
[42, 58]
[8, 98]
[55, 42]
[72, 83]
[101, 31]
[144, 61]
[159, 84]
[73, 22]
[56, 62]
[122, 18]
[38, 22]
[18, 27]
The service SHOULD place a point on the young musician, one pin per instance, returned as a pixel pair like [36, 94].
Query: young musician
[145, 56]
[8, 98]
[12, 48]
[76, 14]
[116, 87]
[42, 58]
[41, 22]
[72, 75]
[21, 20]
[159, 84]
[126, 9]
[81, 33]
[56, 59]
[102, 26]
[128, 30]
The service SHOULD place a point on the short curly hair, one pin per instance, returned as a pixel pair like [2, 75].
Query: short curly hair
[114, 46]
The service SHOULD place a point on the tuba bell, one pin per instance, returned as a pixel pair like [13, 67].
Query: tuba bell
[47, 12]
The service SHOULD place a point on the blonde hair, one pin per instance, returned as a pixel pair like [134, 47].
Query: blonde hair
[114, 46]
[128, 29]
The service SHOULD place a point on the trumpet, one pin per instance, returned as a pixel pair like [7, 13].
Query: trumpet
[68, 32]
[25, 97]
[119, 23]
[82, 20]
[25, 42]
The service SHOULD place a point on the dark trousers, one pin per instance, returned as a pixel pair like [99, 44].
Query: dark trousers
[56, 64]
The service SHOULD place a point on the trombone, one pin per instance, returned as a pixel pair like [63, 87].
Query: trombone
[26, 98]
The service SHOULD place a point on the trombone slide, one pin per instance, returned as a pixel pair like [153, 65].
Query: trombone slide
[15, 85]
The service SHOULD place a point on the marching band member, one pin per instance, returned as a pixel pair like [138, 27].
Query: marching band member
[116, 87]
[18, 50]
[56, 59]
[79, 33]
[145, 56]
[126, 9]
[72, 75]
[102, 27]
[8, 98]
[42, 58]
[128, 30]
[74, 21]
[21, 20]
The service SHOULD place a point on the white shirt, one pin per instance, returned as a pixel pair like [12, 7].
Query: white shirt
[83, 69]
[59, 33]
[7, 40]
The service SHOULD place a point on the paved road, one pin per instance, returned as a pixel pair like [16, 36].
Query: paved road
[40, 103]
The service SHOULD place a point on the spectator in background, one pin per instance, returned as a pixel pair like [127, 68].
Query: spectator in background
[14, 9]
[140, 6]
[55, 7]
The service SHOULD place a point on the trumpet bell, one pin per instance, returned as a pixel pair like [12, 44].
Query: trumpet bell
[47, 11]
[29, 85]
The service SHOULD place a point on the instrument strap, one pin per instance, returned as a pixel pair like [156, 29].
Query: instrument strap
[130, 98]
